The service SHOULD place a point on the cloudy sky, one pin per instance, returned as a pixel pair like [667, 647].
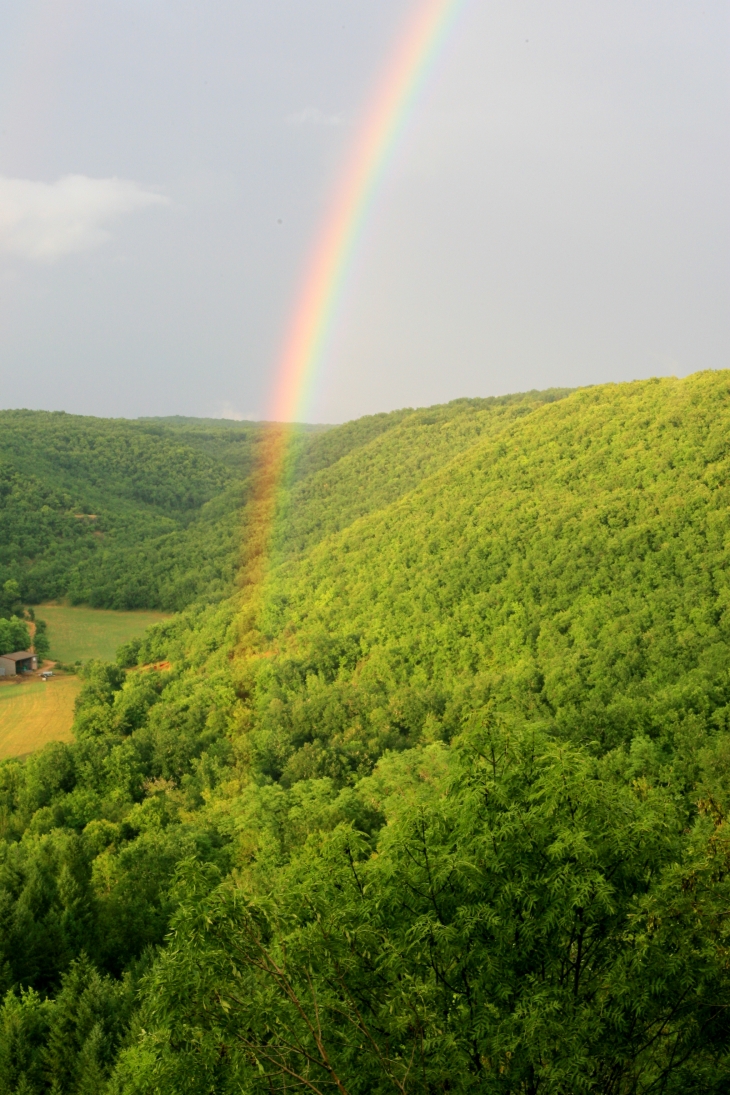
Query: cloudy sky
[556, 213]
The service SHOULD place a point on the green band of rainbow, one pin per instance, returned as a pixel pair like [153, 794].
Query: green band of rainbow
[316, 309]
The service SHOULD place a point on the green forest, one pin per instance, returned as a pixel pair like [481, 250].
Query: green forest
[440, 808]
[120, 514]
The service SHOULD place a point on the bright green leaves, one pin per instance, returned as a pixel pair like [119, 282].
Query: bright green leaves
[537, 926]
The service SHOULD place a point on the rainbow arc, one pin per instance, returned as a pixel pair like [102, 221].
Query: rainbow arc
[314, 315]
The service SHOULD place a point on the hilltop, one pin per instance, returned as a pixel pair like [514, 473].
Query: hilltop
[440, 808]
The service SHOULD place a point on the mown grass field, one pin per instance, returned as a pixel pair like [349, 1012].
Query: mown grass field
[34, 713]
[83, 633]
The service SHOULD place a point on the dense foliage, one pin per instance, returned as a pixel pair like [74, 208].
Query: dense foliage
[122, 514]
[441, 809]
[14, 635]
[148, 514]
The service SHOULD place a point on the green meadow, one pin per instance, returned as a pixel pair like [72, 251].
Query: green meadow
[34, 713]
[80, 633]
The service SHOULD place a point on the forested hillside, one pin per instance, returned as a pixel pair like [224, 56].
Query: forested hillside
[148, 513]
[441, 808]
[120, 514]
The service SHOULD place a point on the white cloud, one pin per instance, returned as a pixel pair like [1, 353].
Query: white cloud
[43, 221]
[312, 116]
[227, 410]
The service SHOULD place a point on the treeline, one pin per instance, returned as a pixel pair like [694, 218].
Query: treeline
[14, 633]
[446, 814]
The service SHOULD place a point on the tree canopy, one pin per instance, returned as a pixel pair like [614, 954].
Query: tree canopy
[442, 808]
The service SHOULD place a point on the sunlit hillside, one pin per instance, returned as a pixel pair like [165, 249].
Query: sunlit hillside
[441, 808]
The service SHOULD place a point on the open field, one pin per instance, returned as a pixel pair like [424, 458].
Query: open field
[77, 634]
[34, 713]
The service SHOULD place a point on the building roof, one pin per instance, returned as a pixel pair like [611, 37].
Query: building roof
[19, 655]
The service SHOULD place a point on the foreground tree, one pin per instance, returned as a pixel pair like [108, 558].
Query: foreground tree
[541, 926]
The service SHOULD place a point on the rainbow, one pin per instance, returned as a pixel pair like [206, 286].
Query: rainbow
[315, 312]
[333, 255]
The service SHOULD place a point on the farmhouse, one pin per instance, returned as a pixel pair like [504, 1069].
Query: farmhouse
[22, 661]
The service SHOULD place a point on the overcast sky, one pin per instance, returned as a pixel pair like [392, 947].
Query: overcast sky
[557, 213]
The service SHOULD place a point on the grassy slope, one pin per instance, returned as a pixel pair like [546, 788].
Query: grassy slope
[566, 558]
[78, 633]
[34, 713]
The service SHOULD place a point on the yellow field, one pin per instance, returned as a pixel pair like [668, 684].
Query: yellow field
[34, 713]
[82, 633]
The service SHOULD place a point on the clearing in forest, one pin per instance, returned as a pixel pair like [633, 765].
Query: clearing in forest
[81, 633]
[35, 712]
